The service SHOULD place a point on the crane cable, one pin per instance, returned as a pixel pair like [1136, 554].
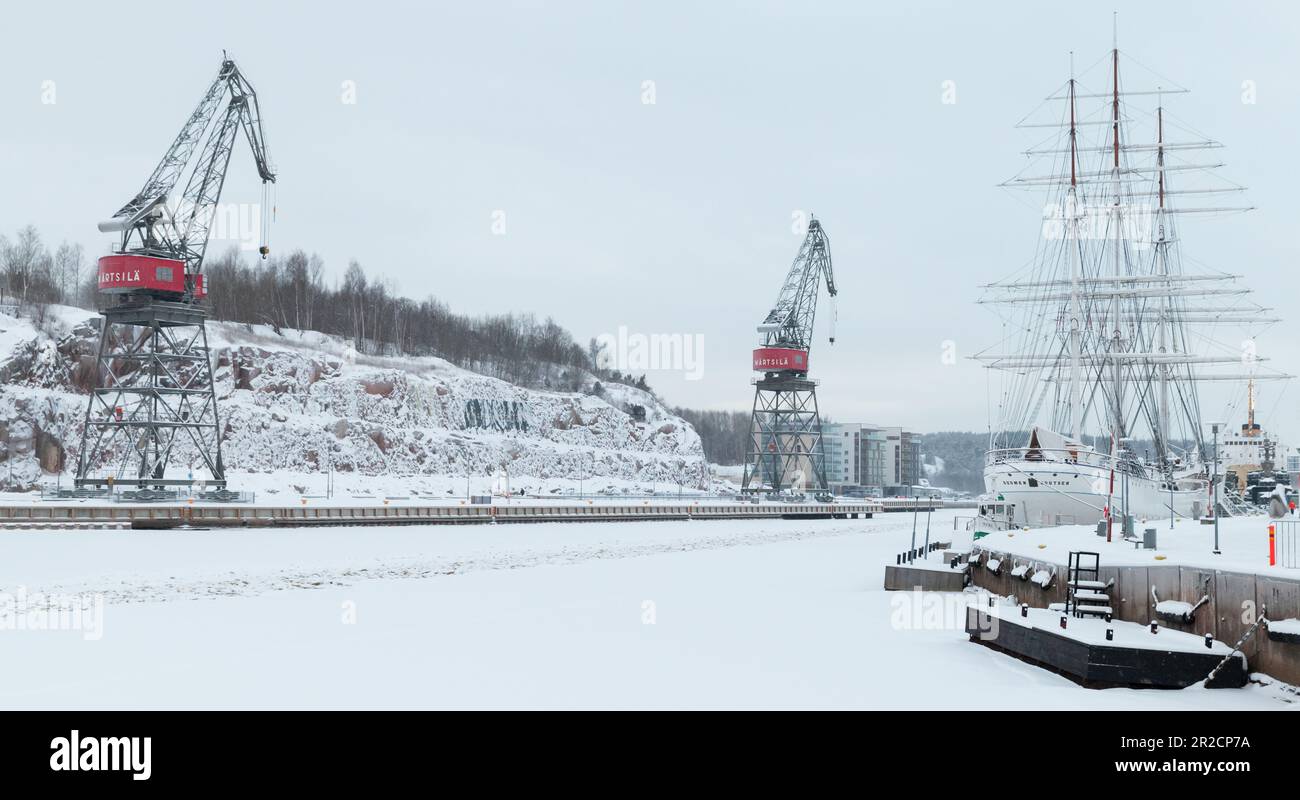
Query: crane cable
[835, 314]
[268, 215]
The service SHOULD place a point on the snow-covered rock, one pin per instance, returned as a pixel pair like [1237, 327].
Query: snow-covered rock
[302, 402]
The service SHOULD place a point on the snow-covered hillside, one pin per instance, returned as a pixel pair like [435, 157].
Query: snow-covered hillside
[300, 404]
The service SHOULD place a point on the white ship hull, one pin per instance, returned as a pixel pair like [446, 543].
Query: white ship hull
[1047, 493]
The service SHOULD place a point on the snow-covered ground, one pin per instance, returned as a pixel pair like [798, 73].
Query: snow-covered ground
[769, 614]
[1243, 542]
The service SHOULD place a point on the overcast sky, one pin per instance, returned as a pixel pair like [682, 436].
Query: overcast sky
[670, 217]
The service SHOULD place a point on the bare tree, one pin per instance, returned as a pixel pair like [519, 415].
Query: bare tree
[27, 267]
[69, 260]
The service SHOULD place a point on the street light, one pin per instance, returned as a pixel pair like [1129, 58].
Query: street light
[1214, 483]
[1125, 454]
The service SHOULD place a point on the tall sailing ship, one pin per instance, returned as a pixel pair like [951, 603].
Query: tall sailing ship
[1110, 329]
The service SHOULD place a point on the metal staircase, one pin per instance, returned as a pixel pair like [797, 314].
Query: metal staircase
[1231, 505]
[1086, 593]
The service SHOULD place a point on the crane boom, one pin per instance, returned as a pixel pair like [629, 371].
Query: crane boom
[168, 172]
[148, 227]
[788, 328]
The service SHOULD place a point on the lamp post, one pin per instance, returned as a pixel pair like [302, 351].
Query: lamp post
[912, 494]
[1126, 459]
[1214, 484]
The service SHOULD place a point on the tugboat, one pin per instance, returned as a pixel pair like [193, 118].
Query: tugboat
[995, 514]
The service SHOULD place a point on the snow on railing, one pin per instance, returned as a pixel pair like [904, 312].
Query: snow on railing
[1078, 455]
[1284, 630]
[1177, 610]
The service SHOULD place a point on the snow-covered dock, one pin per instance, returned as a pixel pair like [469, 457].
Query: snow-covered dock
[1182, 584]
[407, 513]
[1133, 655]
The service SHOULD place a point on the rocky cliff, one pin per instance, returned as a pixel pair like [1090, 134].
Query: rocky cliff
[298, 404]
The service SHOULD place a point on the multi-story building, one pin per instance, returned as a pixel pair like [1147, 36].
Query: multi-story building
[866, 459]
[840, 443]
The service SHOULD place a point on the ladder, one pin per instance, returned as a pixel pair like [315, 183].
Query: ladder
[1231, 504]
[1086, 593]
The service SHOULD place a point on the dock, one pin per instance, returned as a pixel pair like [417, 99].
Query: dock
[108, 516]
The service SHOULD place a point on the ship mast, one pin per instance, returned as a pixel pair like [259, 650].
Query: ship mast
[1250, 407]
[1072, 243]
[1162, 422]
[1116, 376]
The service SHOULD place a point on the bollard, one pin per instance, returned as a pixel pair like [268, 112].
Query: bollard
[1209, 641]
[1108, 617]
[1155, 626]
[1024, 609]
[1110, 634]
[1062, 622]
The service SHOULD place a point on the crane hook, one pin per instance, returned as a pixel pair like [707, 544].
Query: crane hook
[265, 249]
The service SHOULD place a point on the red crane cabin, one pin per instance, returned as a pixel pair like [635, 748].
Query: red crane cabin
[125, 273]
[776, 359]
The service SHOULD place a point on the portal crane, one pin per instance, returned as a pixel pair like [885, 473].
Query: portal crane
[153, 400]
[785, 444]
[151, 230]
[788, 328]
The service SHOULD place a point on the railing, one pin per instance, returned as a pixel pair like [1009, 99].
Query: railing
[908, 556]
[267, 516]
[1080, 455]
[1288, 543]
[123, 495]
